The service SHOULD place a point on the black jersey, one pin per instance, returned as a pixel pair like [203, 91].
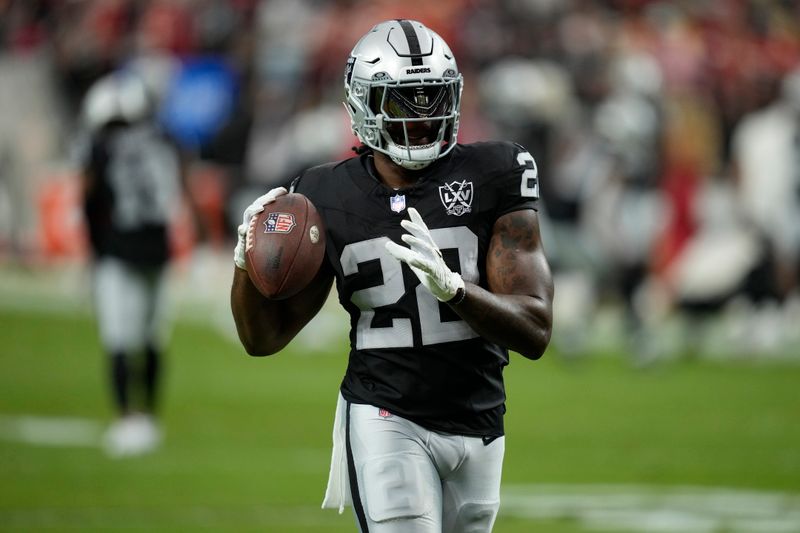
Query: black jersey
[411, 354]
[135, 188]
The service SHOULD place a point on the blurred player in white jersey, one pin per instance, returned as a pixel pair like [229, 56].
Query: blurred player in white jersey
[133, 183]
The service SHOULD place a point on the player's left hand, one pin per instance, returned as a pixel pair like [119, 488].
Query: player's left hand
[425, 259]
[251, 211]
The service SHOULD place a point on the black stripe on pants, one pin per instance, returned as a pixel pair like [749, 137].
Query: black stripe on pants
[351, 471]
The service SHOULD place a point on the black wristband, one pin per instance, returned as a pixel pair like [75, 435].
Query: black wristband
[459, 297]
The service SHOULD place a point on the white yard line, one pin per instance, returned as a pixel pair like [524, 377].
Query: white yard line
[50, 431]
[665, 509]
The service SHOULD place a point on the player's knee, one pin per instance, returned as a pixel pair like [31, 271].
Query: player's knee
[395, 488]
[474, 517]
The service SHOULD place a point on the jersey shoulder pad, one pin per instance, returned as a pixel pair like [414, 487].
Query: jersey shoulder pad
[504, 164]
[318, 181]
[495, 157]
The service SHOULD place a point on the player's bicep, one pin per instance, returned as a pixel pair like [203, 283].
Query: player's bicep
[515, 262]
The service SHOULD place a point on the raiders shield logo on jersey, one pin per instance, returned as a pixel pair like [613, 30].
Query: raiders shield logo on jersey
[456, 197]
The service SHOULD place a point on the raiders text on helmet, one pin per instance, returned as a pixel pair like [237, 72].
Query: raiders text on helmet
[401, 73]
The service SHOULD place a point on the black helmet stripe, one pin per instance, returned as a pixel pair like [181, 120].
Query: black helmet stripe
[413, 42]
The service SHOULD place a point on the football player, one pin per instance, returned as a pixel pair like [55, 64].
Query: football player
[437, 257]
[132, 181]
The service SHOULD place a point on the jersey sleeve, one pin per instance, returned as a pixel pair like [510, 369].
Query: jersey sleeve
[516, 181]
[294, 184]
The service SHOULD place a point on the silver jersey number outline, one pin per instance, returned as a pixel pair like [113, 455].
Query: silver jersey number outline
[400, 333]
[144, 175]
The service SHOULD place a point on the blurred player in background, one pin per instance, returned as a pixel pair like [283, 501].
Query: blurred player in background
[418, 435]
[133, 183]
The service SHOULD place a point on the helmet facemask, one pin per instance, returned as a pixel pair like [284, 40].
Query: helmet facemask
[413, 122]
[416, 120]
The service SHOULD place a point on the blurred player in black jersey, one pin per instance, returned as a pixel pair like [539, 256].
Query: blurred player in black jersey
[132, 184]
[437, 258]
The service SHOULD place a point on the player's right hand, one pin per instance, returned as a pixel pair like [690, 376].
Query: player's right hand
[251, 211]
[425, 259]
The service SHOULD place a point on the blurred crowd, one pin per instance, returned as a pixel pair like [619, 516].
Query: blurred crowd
[667, 133]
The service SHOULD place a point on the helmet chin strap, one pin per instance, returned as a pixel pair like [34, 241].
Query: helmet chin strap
[429, 155]
[411, 165]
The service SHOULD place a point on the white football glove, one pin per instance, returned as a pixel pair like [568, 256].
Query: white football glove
[251, 211]
[425, 259]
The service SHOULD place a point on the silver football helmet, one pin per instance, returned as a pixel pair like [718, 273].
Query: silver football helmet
[403, 93]
[121, 95]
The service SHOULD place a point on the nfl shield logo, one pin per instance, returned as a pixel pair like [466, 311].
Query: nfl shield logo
[383, 413]
[397, 202]
[279, 223]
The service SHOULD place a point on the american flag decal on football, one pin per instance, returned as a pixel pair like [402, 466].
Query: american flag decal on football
[279, 223]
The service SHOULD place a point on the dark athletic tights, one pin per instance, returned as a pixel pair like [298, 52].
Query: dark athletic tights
[126, 380]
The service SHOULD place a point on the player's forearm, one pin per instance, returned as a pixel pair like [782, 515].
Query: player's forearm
[258, 321]
[266, 326]
[520, 323]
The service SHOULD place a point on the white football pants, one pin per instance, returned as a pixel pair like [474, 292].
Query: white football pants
[129, 303]
[405, 478]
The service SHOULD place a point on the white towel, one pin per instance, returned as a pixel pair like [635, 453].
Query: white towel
[337, 493]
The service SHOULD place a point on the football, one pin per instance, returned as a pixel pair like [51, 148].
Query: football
[285, 246]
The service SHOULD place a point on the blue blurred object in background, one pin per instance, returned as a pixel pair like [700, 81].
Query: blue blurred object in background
[200, 101]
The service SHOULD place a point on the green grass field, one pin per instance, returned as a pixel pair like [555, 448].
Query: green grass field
[247, 440]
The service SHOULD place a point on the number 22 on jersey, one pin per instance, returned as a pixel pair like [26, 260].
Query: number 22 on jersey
[369, 300]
